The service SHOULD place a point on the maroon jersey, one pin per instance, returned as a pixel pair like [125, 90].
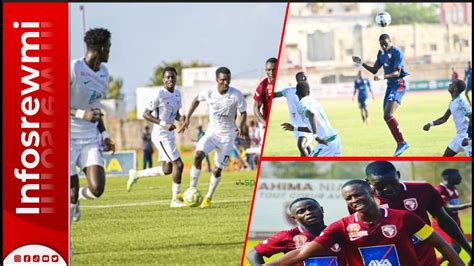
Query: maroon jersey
[419, 198]
[288, 240]
[263, 96]
[388, 241]
[450, 196]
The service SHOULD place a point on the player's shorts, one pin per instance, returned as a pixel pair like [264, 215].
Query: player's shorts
[209, 142]
[456, 145]
[84, 153]
[395, 92]
[363, 102]
[167, 151]
[333, 148]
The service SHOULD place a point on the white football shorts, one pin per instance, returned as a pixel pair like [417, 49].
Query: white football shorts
[85, 152]
[209, 142]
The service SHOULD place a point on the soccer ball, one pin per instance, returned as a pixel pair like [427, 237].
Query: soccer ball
[192, 197]
[383, 19]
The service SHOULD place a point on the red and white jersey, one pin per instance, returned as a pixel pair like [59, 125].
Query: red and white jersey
[384, 242]
[450, 196]
[165, 107]
[263, 95]
[223, 111]
[86, 88]
[295, 238]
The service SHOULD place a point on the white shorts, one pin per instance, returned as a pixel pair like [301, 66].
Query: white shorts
[332, 149]
[85, 152]
[223, 148]
[167, 151]
[456, 145]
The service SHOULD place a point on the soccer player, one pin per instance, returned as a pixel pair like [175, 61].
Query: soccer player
[461, 112]
[450, 195]
[88, 84]
[303, 140]
[263, 93]
[420, 198]
[468, 80]
[162, 112]
[316, 122]
[309, 216]
[223, 101]
[391, 59]
[372, 235]
[362, 89]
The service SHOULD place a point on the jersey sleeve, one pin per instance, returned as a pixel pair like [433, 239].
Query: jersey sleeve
[443, 193]
[416, 227]
[153, 104]
[435, 200]
[274, 244]
[330, 235]
[397, 60]
[259, 92]
[368, 83]
[378, 63]
[203, 96]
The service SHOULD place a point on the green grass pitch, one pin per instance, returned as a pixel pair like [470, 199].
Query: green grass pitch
[417, 109]
[138, 227]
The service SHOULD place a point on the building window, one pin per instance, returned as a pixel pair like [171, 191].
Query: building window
[433, 47]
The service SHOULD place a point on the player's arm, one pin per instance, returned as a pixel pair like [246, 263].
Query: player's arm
[91, 114]
[372, 69]
[243, 121]
[254, 257]
[109, 144]
[147, 114]
[355, 91]
[277, 94]
[448, 252]
[371, 92]
[310, 249]
[290, 127]
[312, 121]
[257, 113]
[438, 121]
[448, 225]
[192, 108]
[394, 74]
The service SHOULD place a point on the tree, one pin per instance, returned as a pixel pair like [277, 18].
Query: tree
[157, 79]
[409, 13]
[114, 90]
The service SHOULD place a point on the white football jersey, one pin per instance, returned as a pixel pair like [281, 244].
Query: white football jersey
[223, 111]
[292, 101]
[460, 109]
[86, 88]
[323, 128]
[165, 107]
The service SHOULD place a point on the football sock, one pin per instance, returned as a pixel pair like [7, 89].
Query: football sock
[175, 189]
[393, 126]
[213, 185]
[85, 193]
[72, 208]
[195, 173]
[158, 170]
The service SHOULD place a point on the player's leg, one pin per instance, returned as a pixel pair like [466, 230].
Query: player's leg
[205, 145]
[75, 213]
[221, 159]
[391, 103]
[208, 163]
[454, 147]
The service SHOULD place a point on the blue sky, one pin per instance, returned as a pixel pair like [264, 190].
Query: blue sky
[240, 36]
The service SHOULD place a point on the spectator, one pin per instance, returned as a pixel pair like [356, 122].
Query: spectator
[147, 147]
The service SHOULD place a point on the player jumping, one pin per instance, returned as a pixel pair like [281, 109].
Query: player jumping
[309, 216]
[461, 112]
[362, 89]
[391, 59]
[303, 139]
[372, 235]
[223, 102]
[316, 122]
[162, 112]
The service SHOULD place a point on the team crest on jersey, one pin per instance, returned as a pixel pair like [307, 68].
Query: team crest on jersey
[299, 240]
[389, 230]
[336, 248]
[410, 204]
